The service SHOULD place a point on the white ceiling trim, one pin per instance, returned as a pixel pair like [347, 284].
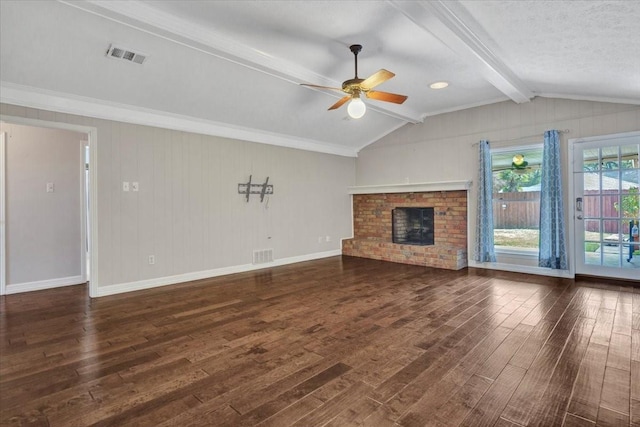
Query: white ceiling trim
[444, 21]
[590, 98]
[31, 97]
[383, 134]
[467, 106]
[145, 18]
[435, 113]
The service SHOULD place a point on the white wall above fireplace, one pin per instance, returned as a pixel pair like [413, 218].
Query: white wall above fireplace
[420, 187]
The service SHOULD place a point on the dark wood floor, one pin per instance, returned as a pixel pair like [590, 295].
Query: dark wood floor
[336, 342]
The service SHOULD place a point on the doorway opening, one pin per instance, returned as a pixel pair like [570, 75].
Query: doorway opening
[45, 184]
[606, 205]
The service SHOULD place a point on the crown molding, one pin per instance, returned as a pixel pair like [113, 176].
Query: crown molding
[382, 135]
[31, 97]
[466, 106]
[627, 101]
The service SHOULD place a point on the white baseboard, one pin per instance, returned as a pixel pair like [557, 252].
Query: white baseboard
[540, 271]
[44, 284]
[207, 274]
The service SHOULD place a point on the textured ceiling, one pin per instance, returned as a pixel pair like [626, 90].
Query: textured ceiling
[234, 68]
[585, 49]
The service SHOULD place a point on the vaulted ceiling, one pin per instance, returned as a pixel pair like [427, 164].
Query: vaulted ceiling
[234, 68]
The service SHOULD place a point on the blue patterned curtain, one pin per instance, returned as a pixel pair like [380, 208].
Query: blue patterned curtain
[484, 250]
[553, 251]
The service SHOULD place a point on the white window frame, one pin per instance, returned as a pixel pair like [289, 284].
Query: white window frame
[511, 251]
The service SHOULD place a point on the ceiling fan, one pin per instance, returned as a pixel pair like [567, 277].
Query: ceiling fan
[355, 86]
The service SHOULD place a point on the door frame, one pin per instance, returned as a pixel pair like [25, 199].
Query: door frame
[92, 134]
[84, 219]
[573, 143]
[3, 239]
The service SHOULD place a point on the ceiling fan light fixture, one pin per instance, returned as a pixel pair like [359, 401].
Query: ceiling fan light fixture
[356, 108]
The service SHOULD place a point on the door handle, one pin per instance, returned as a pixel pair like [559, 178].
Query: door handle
[579, 204]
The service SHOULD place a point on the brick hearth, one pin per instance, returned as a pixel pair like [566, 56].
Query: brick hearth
[373, 231]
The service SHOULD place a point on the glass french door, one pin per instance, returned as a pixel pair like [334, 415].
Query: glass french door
[606, 176]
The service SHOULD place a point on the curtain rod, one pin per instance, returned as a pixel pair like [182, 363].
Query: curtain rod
[519, 138]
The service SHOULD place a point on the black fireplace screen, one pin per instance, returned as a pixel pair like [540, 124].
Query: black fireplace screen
[413, 226]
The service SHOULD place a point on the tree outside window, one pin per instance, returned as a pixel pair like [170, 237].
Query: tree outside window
[629, 206]
[516, 198]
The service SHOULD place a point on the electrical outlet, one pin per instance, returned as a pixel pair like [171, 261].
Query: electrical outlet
[134, 186]
[152, 259]
[50, 187]
[327, 238]
[125, 186]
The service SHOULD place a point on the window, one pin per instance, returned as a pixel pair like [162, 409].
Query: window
[516, 197]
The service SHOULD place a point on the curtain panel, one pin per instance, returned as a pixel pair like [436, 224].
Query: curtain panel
[553, 252]
[484, 247]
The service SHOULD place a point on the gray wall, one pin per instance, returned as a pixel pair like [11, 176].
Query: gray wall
[188, 213]
[44, 240]
[441, 148]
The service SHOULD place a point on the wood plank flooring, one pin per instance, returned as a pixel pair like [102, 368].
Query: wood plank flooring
[335, 342]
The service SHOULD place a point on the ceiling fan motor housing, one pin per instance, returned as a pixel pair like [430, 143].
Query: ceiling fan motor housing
[352, 86]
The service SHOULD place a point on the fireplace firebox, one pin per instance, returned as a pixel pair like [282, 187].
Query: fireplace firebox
[413, 226]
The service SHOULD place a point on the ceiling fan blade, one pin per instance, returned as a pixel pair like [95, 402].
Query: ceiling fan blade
[386, 96]
[321, 87]
[340, 102]
[376, 78]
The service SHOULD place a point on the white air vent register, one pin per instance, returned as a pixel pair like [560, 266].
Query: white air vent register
[262, 256]
[126, 54]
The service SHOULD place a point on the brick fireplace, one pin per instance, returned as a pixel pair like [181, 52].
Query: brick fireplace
[372, 228]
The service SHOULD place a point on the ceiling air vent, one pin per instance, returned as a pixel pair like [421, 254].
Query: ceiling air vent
[125, 54]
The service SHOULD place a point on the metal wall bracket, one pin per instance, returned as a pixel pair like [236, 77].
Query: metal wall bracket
[262, 189]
